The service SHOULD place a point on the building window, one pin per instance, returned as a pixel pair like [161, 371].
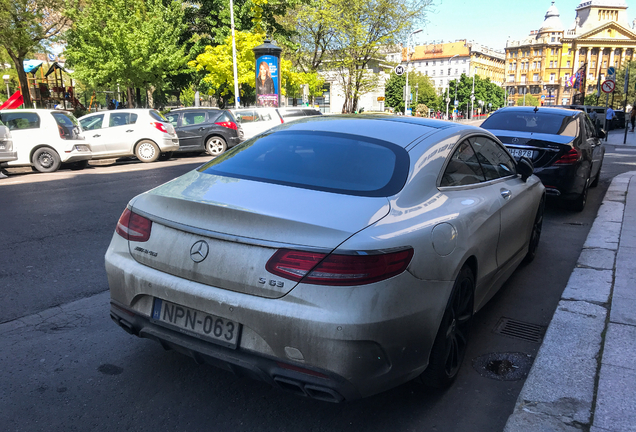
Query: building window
[433, 63]
[511, 78]
[456, 71]
[539, 65]
[593, 64]
[605, 63]
[441, 72]
[553, 39]
[552, 77]
[535, 77]
[567, 76]
[433, 73]
[567, 64]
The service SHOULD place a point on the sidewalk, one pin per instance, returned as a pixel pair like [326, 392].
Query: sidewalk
[584, 375]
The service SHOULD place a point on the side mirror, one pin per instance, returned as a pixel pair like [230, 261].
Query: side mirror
[600, 134]
[525, 168]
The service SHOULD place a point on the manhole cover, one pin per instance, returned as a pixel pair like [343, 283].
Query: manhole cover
[520, 330]
[503, 366]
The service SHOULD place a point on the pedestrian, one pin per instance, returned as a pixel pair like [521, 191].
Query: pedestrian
[609, 116]
[632, 117]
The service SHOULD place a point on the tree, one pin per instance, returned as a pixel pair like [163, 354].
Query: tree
[421, 87]
[346, 36]
[485, 90]
[25, 26]
[127, 42]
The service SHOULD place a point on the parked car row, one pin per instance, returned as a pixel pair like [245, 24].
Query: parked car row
[49, 139]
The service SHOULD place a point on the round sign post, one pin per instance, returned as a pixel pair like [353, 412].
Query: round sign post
[267, 74]
[399, 70]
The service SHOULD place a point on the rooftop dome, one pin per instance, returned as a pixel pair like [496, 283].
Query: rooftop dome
[552, 21]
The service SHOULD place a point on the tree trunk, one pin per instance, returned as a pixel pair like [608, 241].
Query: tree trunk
[151, 100]
[138, 104]
[130, 97]
[18, 61]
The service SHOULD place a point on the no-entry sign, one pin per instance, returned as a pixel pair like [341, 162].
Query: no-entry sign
[608, 86]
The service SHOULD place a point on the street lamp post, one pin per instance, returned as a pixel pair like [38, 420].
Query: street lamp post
[448, 90]
[472, 95]
[455, 104]
[236, 90]
[407, 94]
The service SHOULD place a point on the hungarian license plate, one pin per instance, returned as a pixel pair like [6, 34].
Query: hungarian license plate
[196, 323]
[518, 153]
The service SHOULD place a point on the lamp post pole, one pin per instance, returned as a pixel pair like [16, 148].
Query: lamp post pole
[236, 90]
[448, 89]
[407, 94]
[455, 103]
[472, 95]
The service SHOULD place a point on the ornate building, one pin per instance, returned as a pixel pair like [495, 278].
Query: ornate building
[445, 62]
[542, 64]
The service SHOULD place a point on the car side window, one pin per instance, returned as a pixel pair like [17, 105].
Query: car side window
[463, 167]
[173, 119]
[193, 118]
[92, 123]
[589, 127]
[118, 119]
[247, 116]
[494, 160]
[265, 116]
[17, 121]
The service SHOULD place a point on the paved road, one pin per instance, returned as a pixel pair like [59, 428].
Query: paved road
[69, 368]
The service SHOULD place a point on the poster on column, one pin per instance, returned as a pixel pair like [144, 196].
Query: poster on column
[267, 81]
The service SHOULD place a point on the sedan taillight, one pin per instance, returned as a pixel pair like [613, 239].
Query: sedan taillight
[338, 270]
[160, 126]
[571, 157]
[228, 124]
[133, 227]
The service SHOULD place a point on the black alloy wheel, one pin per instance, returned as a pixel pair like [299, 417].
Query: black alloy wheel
[46, 160]
[598, 176]
[578, 204]
[535, 236]
[449, 348]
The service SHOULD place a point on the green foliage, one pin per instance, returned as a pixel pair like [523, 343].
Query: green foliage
[486, 91]
[618, 98]
[131, 42]
[346, 36]
[530, 100]
[28, 25]
[187, 96]
[421, 87]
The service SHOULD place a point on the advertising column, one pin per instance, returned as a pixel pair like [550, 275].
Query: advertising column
[267, 74]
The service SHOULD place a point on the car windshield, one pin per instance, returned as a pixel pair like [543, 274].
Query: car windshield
[324, 161]
[535, 122]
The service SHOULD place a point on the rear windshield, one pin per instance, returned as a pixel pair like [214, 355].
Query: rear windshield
[535, 122]
[324, 161]
[157, 116]
[67, 124]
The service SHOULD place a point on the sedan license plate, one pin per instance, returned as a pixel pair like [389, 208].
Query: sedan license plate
[196, 323]
[518, 153]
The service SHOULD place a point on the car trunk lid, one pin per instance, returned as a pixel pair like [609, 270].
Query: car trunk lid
[542, 149]
[243, 223]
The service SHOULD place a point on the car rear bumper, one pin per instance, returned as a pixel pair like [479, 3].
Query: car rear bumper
[169, 145]
[8, 156]
[352, 343]
[566, 181]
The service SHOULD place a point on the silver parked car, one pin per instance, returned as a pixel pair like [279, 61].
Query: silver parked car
[7, 154]
[335, 257]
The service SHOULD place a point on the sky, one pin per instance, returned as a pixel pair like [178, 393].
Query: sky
[492, 22]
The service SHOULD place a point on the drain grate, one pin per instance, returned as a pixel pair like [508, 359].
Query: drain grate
[520, 330]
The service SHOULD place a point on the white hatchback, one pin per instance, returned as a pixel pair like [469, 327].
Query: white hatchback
[7, 153]
[45, 139]
[254, 121]
[143, 133]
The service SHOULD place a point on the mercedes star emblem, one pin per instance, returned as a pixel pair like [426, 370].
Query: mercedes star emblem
[514, 140]
[199, 251]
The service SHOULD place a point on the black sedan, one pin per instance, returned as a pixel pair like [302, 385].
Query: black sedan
[563, 144]
[209, 130]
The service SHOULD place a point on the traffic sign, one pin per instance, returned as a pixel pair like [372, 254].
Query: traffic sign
[542, 96]
[399, 70]
[608, 86]
[611, 71]
[456, 102]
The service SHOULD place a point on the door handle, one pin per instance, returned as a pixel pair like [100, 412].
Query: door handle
[130, 130]
[96, 136]
[506, 194]
[201, 128]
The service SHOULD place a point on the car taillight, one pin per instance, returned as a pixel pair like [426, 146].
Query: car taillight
[228, 124]
[133, 227]
[160, 126]
[333, 269]
[573, 156]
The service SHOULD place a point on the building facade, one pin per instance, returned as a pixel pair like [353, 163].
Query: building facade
[543, 64]
[446, 62]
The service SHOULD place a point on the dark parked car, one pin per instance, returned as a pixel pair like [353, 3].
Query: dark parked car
[618, 122]
[209, 130]
[566, 150]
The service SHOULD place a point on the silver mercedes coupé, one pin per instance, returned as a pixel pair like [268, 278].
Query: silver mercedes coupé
[334, 257]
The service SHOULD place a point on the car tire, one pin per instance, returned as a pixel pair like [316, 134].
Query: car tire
[147, 151]
[80, 165]
[46, 160]
[215, 146]
[535, 235]
[578, 204]
[449, 348]
[165, 156]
